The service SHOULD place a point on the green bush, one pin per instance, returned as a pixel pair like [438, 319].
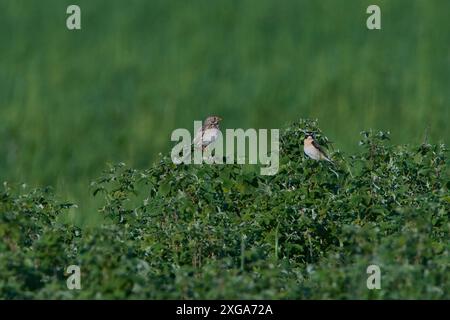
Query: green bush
[225, 232]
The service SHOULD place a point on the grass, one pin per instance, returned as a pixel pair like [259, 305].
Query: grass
[71, 101]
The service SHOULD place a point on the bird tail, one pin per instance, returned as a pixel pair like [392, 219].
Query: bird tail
[334, 165]
[189, 153]
[182, 158]
[327, 159]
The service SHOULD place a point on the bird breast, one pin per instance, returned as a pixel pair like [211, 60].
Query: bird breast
[210, 135]
[312, 152]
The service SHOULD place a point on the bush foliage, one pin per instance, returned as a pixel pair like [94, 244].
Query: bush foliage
[224, 231]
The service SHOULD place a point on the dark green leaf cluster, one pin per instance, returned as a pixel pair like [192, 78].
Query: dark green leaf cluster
[225, 231]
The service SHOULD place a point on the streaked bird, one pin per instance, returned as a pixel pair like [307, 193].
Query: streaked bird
[208, 133]
[313, 150]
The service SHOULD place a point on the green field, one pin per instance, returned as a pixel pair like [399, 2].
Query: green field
[72, 101]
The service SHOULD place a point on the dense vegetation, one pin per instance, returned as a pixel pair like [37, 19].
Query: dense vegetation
[227, 232]
[138, 69]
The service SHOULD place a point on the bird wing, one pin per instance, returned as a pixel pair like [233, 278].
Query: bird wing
[318, 147]
[198, 137]
[210, 135]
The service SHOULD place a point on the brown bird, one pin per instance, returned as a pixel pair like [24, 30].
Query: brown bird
[313, 150]
[208, 133]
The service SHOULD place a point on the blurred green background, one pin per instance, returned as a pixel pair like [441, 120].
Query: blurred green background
[71, 101]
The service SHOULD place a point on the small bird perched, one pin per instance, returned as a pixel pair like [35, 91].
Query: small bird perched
[208, 133]
[313, 150]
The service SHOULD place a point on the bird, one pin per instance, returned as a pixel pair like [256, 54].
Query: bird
[208, 133]
[313, 150]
